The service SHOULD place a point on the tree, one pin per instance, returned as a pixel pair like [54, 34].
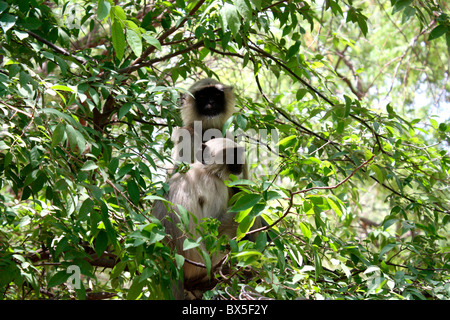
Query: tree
[352, 95]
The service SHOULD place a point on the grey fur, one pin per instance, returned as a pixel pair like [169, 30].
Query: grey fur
[201, 191]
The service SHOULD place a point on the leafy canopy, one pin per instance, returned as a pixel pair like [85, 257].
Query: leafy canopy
[354, 188]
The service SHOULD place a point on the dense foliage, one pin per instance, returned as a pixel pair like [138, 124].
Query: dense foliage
[352, 177]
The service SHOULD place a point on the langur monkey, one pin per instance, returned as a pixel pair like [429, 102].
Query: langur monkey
[204, 111]
[202, 192]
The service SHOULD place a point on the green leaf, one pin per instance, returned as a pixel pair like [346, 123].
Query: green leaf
[118, 39]
[62, 88]
[58, 278]
[64, 116]
[434, 123]
[62, 65]
[206, 261]
[190, 244]
[119, 13]
[438, 31]
[62, 245]
[133, 26]
[317, 262]
[305, 230]
[135, 42]
[136, 288]
[241, 121]
[179, 259]
[335, 7]
[261, 241]
[107, 223]
[101, 242]
[408, 13]
[348, 105]
[89, 165]
[7, 21]
[272, 195]
[247, 257]
[400, 5]
[3, 6]
[76, 139]
[378, 172]
[3, 146]
[184, 215]
[58, 134]
[230, 18]
[387, 223]
[247, 217]
[124, 110]
[362, 23]
[8, 159]
[81, 292]
[243, 182]
[85, 209]
[286, 142]
[31, 23]
[293, 50]
[151, 40]
[133, 191]
[103, 9]
[335, 207]
[245, 202]
[386, 249]
[113, 164]
[118, 269]
[244, 8]
[153, 197]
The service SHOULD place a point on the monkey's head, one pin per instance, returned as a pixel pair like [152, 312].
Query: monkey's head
[209, 101]
[222, 157]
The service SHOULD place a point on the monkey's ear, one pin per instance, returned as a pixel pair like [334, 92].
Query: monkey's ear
[183, 97]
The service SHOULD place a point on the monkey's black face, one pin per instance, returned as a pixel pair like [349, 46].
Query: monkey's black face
[234, 160]
[235, 168]
[210, 101]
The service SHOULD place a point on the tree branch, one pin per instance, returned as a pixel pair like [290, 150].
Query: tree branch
[291, 196]
[55, 48]
[340, 183]
[134, 67]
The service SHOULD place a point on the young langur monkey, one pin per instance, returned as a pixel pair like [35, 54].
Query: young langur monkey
[201, 191]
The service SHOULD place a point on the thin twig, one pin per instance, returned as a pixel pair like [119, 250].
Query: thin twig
[55, 48]
[340, 183]
[291, 197]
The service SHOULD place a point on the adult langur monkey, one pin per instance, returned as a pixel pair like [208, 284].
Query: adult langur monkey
[205, 109]
[202, 192]
[210, 102]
